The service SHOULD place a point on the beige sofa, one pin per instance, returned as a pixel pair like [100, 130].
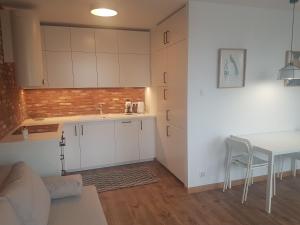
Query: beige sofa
[26, 200]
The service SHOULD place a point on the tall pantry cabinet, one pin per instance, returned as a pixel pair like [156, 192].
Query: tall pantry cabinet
[169, 83]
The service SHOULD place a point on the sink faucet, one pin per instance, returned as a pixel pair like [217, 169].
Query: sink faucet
[100, 108]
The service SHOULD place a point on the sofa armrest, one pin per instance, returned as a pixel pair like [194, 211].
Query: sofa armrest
[65, 186]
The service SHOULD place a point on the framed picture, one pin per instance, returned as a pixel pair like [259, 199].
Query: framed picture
[296, 56]
[232, 68]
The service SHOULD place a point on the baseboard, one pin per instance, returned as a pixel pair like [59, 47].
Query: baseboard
[239, 182]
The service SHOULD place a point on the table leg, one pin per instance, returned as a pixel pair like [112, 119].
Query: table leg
[269, 190]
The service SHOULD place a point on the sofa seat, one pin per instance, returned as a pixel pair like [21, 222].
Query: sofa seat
[82, 210]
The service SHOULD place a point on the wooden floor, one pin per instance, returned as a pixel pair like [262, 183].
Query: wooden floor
[167, 203]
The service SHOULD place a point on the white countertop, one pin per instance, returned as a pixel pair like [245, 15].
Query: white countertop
[63, 120]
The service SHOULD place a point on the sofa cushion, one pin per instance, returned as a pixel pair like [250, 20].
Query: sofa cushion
[28, 195]
[7, 213]
[4, 172]
[66, 186]
[80, 210]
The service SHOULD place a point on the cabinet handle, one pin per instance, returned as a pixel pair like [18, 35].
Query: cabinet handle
[141, 124]
[75, 130]
[167, 115]
[81, 130]
[165, 77]
[167, 37]
[43, 82]
[165, 94]
[168, 133]
[126, 121]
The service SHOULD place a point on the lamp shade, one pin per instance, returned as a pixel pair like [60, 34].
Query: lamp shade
[289, 72]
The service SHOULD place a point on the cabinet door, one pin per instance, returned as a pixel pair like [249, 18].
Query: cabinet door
[177, 84]
[147, 138]
[175, 28]
[83, 40]
[56, 38]
[84, 69]
[108, 70]
[161, 138]
[106, 41]
[97, 143]
[176, 152]
[159, 75]
[59, 69]
[134, 70]
[134, 42]
[127, 141]
[72, 149]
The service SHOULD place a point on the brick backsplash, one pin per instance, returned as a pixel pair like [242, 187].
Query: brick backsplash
[67, 102]
[11, 97]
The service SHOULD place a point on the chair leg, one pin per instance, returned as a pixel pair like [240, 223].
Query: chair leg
[294, 167]
[281, 167]
[246, 184]
[274, 181]
[252, 178]
[227, 161]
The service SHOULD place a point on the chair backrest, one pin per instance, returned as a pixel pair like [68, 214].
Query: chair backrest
[239, 145]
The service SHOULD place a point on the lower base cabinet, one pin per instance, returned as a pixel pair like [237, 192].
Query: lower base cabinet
[106, 143]
[97, 144]
[127, 141]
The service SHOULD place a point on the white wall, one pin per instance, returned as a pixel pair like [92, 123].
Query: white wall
[263, 105]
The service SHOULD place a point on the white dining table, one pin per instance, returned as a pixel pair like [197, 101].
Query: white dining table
[274, 144]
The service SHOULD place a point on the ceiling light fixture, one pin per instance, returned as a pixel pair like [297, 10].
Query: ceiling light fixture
[290, 71]
[104, 8]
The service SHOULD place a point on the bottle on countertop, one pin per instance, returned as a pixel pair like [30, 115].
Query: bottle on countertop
[128, 106]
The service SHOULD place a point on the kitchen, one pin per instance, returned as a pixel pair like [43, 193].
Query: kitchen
[93, 86]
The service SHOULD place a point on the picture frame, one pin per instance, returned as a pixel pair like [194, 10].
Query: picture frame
[232, 67]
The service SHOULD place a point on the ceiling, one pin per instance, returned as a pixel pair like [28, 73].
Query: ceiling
[273, 4]
[134, 14]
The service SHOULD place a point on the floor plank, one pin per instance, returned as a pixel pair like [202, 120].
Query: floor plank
[167, 203]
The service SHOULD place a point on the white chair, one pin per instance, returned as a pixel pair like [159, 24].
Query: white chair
[294, 158]
[245, 158]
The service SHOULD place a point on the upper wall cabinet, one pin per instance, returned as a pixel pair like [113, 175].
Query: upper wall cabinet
[84, 69]
[27, 48]
[134, 70]
[97, 57]
[170, 31]
[83, 40]
[56, 38]
[59, 69]
[106, 41]
[133, 42]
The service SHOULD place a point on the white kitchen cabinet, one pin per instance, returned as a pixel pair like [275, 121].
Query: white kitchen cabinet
[159, 74]
[27, 48]
[134, 70]
[97, 143]
[170, 31]
[134, 42]
[82, 40]
[147, 139]
[106, 41]
[72, 149]
[108, 70]
[56, 38]
[176, 154]
[45, 75]
[127, 141]
[84, 69]
[177, 84]
[59, 69]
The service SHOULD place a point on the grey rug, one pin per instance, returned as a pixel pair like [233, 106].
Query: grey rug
[119, 178]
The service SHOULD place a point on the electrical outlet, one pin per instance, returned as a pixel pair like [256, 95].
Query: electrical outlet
[202, 174]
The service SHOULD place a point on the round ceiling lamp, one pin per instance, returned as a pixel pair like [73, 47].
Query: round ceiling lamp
[103, 9]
